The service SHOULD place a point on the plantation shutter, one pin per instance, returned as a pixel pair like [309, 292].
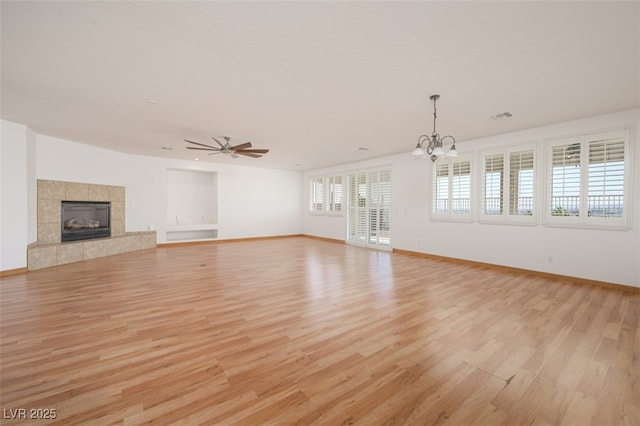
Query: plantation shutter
[380, 206]
[335, 194]
[316, 195]
[357, 217]
[521, 179]
[368, 207]
[461, 188]
[441, 188]
[492, 203]
[605, 187]
[565, 180]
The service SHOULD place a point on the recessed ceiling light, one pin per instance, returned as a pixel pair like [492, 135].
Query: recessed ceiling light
[152, 101]
[505, 114]
[196, 159]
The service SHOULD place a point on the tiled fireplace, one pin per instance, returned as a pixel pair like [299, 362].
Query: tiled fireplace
[49, 250]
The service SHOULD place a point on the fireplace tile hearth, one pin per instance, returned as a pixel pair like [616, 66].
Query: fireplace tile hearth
[69, 253]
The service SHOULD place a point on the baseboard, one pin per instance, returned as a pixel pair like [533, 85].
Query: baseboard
[221, 241]
[17, 271]
[549, 275]
[331, 240]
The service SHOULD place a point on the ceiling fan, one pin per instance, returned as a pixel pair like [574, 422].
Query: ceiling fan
[226, 148]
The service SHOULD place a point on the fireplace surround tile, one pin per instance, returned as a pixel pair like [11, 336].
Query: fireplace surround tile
[116, 193]
[48, 211]
[50, 190]
[49, 232]
[98, 193]
[76, 191]
[117, 218]
[49, 251]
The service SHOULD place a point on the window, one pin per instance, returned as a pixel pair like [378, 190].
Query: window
[441, 188]
[588, 180]
[334, 196]
[452, 189]
[521, 187]
[316, 195]
[325, 195]
[493, 184]
[508, 185]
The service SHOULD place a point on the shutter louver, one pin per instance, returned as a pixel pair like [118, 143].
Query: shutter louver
[441, 189]
[461, 188]
[335, 194]
[492, 203]
[606, 178]
[565, 180]
[316, 195]
[521, 183]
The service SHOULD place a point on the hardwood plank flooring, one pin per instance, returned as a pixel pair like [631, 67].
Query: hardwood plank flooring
[303, 331]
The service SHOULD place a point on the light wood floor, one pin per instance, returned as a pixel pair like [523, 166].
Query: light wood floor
[302, 331]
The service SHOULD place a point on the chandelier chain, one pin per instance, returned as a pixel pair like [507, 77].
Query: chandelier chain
[434, 116]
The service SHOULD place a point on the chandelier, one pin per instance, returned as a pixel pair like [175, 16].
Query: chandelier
[433, 146]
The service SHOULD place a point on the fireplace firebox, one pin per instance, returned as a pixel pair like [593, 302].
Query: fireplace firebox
[83, 220]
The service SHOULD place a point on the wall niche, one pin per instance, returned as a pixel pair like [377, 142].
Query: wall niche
[192, 205]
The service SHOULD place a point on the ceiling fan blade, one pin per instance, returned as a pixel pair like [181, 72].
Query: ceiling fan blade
[217, 151]
[203, 149]
[201, 144]
[219, 143]
[248, 154]
[254, 151]
[241, 146]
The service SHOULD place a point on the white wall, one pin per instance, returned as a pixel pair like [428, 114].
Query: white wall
[605, 255]
[17, 195]
[252, 201]
[192, 197]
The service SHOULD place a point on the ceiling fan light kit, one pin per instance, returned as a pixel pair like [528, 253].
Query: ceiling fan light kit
[432, 146]
[227, 149]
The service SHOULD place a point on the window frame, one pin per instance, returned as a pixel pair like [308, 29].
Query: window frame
[368, 207]
[505, 216]
[330, 199]
[584, 219]
[313, 195]
[324, 196]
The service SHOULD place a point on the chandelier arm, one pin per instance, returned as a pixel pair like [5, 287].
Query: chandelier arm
[433, 144]
[422, 139]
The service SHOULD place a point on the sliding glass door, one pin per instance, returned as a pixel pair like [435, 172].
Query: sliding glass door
[368, 208]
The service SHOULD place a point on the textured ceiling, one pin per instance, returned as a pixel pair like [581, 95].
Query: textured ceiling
[311, 81]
